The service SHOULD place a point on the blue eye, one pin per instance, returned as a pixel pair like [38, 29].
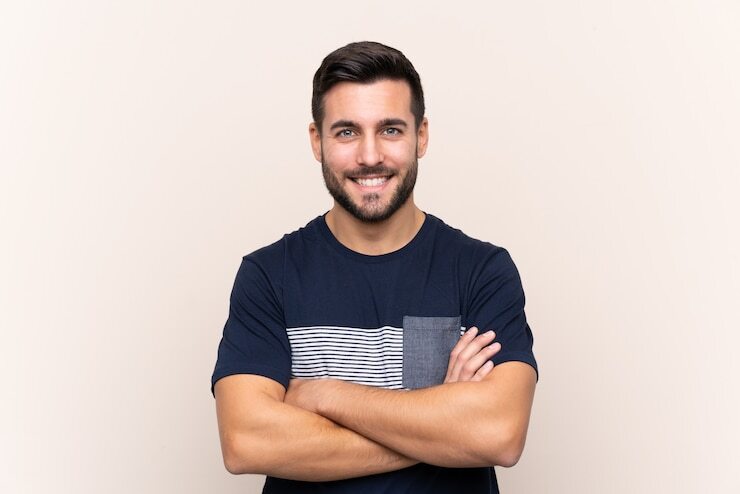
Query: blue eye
[392, 131]
[345, 133]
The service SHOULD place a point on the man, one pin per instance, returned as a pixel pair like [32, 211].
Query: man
[342, 367]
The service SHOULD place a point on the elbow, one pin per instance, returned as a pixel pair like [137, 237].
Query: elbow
[239, 458]
[233, 459]
[234, 464]
[504, 448]
[507, 458]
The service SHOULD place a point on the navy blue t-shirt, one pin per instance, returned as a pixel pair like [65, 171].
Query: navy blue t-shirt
[309, 307]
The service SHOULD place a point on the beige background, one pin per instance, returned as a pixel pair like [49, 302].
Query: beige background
[146, 146]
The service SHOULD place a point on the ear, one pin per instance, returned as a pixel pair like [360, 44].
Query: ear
[422, 138]
[315, 136]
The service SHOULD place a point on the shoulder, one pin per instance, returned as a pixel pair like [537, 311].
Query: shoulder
[272, 257]
[470, 253]
[268, 263]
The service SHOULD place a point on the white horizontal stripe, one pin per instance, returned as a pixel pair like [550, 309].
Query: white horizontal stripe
[331, 346]
[346, 341]
[385, 383]
[349, 328]
[360, 366]
[348, 360]
[350, 366]
[345, 337]
[386, 330]
[368, 360]
[334, 370]
[343, 373]
[339, 373]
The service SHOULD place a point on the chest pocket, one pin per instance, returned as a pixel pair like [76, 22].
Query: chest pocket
[427, 343]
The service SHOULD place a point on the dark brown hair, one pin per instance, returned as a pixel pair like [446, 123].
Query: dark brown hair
[365, 62]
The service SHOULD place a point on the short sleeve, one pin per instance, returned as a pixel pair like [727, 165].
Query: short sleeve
[254, 339]
[496, 301]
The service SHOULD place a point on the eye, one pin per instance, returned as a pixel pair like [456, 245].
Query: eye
[392, 131]
[345, 133]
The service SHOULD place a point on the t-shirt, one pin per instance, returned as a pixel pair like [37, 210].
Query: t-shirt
[309, 307]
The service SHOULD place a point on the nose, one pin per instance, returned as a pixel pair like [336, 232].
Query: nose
[370, 152]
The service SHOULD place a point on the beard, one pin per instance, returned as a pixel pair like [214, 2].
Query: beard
[371, 210]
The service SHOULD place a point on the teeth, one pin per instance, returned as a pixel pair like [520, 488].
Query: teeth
[371, 182]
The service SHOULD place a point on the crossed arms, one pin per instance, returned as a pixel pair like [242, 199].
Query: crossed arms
[326, 429]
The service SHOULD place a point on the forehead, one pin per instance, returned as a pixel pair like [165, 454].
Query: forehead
[368, 103]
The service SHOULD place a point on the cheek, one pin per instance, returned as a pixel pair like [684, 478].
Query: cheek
[400, 151]
[339, 156]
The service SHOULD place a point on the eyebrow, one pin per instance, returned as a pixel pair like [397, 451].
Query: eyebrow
[343, 123]
[386, 122]
[393, 122]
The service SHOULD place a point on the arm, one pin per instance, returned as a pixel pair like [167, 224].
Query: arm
[262, 434]
[462, 424]
[259, 433]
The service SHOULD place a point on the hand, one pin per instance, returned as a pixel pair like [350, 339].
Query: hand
[470, 359]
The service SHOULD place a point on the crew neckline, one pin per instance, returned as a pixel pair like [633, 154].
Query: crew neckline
[345, 251]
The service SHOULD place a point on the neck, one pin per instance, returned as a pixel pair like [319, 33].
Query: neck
[375, 239]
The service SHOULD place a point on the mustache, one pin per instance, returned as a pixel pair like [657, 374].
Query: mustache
[370, 171]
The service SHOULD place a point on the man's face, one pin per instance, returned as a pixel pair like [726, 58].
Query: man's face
[369, 146]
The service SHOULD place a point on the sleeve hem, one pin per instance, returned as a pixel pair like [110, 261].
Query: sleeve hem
[525, 357]
[269, 372]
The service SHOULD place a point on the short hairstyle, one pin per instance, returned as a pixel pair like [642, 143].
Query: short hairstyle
[365, 62]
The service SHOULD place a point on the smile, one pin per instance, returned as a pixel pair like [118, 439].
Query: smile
[371, 182]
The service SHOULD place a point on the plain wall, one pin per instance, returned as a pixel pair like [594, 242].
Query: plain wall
[146, 146]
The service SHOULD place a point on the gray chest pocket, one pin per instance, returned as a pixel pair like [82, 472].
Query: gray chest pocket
[427, 343]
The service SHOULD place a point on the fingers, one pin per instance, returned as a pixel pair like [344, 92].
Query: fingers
[463, 342]
[479, 365]
[470, 355]
[483, 371]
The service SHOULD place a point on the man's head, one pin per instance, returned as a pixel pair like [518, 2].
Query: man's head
[369, 129]
[365, 62]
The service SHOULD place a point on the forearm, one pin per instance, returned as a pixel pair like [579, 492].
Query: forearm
[430, 424]
[288, 442]
[462, 424]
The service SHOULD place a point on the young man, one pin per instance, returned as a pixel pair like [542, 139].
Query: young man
[342, 367]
